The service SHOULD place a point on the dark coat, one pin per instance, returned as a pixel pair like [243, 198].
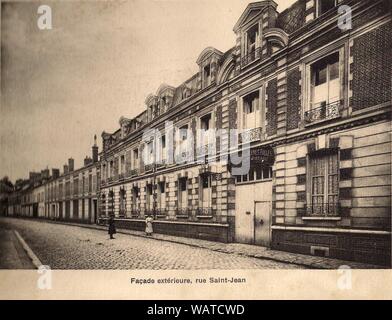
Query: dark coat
[112, 227]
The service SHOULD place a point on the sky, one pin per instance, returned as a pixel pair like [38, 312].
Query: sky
[99, 62]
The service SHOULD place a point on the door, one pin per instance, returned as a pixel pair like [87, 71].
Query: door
[262, 223]
[95, 211]
[253, 204]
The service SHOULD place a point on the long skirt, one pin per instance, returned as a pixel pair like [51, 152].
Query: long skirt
[149, 227]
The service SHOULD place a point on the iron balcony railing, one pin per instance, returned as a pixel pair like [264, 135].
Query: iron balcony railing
[323, 111]
[135, 213]
[250, 135]
[204, 212]
[133, 172]
[323, 210]
[161, 213]
[250, 57]
[148, 167]
[183, 212]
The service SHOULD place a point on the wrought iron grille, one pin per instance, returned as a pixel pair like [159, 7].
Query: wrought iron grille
[183, 212]
[323, 112]
[204, 211]
[250, 135]
[250, 57]
[323, 210]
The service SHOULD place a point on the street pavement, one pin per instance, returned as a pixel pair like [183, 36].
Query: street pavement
[12, 253]
[72, 247]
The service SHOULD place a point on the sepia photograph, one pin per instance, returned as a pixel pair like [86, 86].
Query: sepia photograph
[195, 136]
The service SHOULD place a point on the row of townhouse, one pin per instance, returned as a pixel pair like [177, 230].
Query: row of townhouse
[71, 196]
[28, 196]
[302, 101]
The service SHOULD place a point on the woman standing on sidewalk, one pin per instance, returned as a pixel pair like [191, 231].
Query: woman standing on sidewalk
[149, 229]
[112, 227]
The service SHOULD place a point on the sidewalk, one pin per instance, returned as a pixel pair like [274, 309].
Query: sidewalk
[243, 249]
[12, 253]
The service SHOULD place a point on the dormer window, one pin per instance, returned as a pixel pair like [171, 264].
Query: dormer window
[325, 5]
[251, 37]
[251, 46]
[207, 75]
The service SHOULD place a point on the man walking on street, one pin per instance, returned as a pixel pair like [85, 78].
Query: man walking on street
[112, 227]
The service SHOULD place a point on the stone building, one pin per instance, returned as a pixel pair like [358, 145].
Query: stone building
[73, 195]
[309, 91]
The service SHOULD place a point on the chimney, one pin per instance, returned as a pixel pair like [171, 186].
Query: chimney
[45, 174]
[71, 163]
[66, 169]
[95, 150]
[87, 161]
[55, 173]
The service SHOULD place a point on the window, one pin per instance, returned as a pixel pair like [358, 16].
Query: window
[205, 126]
[123, 209]
[161, 195]
[325, 5]
[136, 199]
[252, 37]
[324, 184]
[182, 193]
[251, 110]
[135, 164]
[122, 164]
[163, 150]
[207, 75]
[150, 197]
[205, 181]
[325, 81]
[149, 153]
[256, 174]
[183, 141]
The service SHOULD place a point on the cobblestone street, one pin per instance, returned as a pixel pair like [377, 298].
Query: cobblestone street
[71, 247]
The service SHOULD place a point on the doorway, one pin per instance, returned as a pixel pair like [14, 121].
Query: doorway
[262, 223]
[253, 213]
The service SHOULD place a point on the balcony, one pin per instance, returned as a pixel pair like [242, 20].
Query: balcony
[162, 164]
[183, 213]
[148, 167]
[135, 213]
[323, 112]
[323, 210]
[250, 57]
[133, 173]
[250, 135]
[161, 213]
[204, 212]
[121, 176]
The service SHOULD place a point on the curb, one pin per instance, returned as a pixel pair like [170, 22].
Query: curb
[37, 263]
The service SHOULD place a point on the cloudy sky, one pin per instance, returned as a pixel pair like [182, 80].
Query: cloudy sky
[59, 87]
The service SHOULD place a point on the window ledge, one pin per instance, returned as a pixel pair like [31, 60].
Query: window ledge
[322, 218]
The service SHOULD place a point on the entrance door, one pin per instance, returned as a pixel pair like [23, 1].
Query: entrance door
[95, 211]
[253, 204]
[262, 223]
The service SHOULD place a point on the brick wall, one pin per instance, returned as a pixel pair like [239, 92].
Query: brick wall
[271, 113]
[293, 98]
[371, 68]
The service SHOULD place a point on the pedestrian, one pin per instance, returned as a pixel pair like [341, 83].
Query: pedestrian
[149, 229]
[112, 227]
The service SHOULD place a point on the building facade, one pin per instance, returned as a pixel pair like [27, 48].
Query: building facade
[282, 141]
[71, 196]
[312, 84]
